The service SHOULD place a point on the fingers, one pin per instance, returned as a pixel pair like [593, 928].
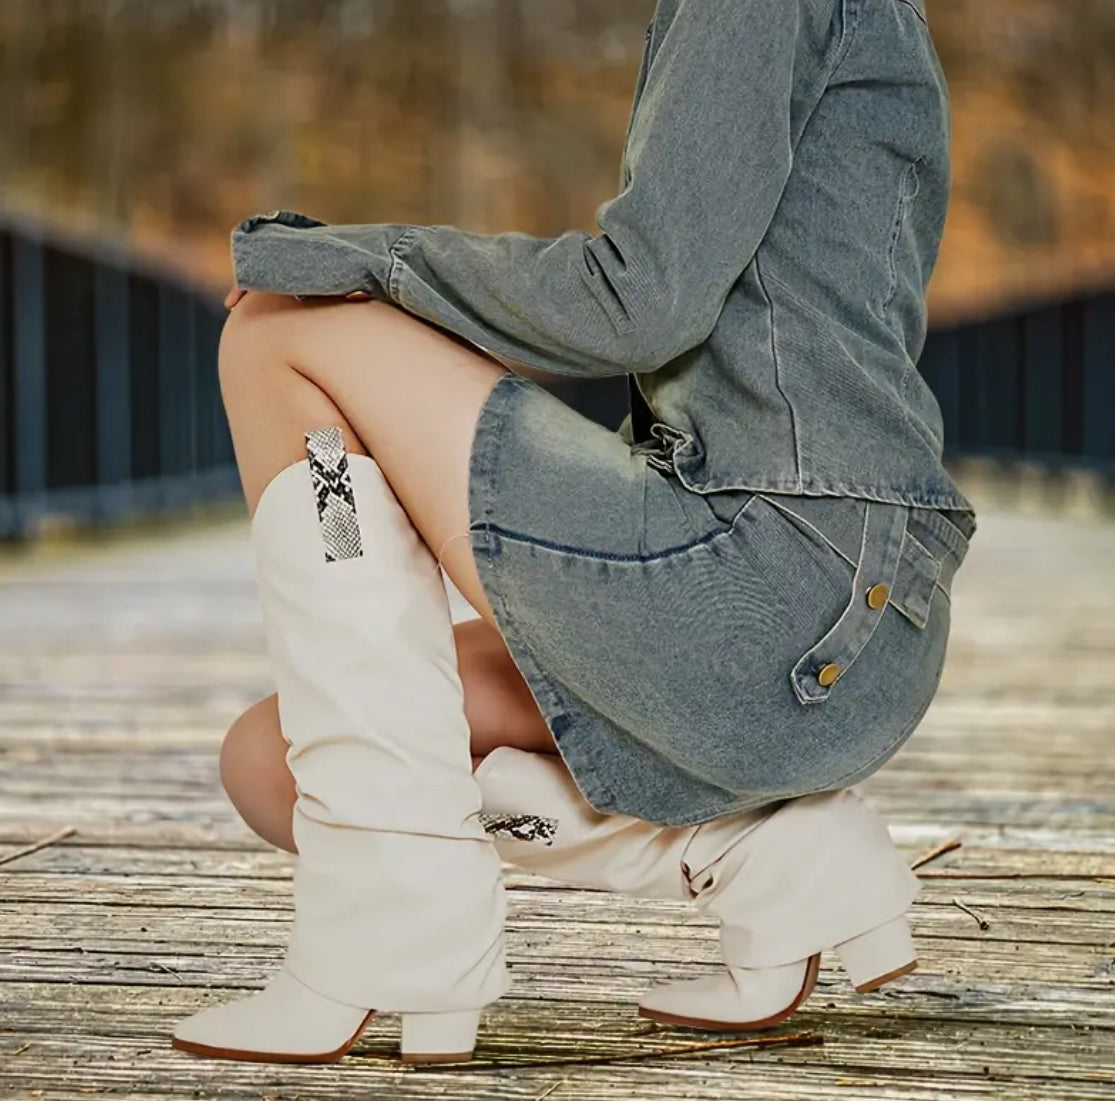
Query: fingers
[233, 297]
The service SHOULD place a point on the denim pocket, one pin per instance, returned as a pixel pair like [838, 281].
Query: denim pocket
[817, 672]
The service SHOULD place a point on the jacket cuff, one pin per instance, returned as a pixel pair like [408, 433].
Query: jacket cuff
[289, 253]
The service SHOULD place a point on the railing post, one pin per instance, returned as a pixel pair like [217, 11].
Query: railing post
[210, 413]
[7, 421]
[112, 353]
[28, 382]
[176, 394]
[1042, 351]
[939, 366]
[1099, 379]
[1000, 386]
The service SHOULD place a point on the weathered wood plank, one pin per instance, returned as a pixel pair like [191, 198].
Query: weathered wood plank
[125, 666]
[535, 1033]
[76, 856]
[1080, 910]
[958, 964]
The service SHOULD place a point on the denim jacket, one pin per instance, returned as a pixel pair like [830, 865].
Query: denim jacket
[760, 276]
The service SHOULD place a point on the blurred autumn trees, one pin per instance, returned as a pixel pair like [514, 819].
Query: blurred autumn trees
[1033, 88]
[169, 120]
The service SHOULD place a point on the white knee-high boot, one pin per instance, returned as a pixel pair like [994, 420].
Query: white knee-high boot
[819, 872]
[398, 901]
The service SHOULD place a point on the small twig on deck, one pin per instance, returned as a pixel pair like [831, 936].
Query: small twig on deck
[58, 835]
[794, 1039]
[951, 845]
[21, 1049]
[154, 965]
[979, 919]
[552, 1090]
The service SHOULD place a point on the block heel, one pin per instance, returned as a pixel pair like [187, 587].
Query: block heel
[439, 1037]
[876, 958]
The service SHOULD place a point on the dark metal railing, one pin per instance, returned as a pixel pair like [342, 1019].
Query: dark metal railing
[109, 403]
[1036, 384]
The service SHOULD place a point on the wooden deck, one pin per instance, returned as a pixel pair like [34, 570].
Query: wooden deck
[121, 665]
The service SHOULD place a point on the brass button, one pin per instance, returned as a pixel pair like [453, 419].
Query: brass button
[877, 597]
[828, 676]
[358, 296]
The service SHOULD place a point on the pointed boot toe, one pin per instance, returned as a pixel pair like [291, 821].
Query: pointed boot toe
[286, 1022]
[738, 1000]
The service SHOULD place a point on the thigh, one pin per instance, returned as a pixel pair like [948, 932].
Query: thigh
[408, 392]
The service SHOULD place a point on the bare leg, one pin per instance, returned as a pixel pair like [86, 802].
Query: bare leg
[498, 705]
[397, 896]
[410, 396]
[402, 391]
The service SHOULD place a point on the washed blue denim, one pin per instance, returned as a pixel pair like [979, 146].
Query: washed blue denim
[677, 643]
[761, 275]
[743, 595]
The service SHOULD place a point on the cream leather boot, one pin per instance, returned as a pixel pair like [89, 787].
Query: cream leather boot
[398, 902]
[819, 872]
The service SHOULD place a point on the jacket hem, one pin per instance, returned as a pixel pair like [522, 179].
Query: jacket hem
[939, 498]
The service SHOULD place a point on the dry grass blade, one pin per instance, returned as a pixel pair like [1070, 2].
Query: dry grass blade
[27, 850]
[951, 845]
[979, 919]
[793, 1039]
[551, 1090]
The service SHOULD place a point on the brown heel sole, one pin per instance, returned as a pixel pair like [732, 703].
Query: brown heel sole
[272, 1057]
[890, 976]
[807, 988]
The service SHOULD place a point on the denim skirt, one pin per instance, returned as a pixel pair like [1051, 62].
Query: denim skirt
[695, 655]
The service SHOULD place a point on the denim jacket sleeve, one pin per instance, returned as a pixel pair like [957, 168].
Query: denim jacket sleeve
[709, 152]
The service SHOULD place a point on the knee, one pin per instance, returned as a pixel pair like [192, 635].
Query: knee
[251, 335]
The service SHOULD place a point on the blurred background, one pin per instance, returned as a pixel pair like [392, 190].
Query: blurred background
[137, 132]
[163, 122]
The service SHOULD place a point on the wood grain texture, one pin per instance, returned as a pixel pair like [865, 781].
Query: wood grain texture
[121, 665]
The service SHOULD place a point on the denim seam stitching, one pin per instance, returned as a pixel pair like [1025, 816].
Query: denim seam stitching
[620, 559]
[921, 546]
[914, 8]
[395, 253]
[884, 495]
[851, 24]
[900, 210]
[797, 671]
[836, 550]
[778, 375]
[813, 527]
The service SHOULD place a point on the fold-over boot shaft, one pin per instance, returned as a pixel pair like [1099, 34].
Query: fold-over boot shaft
[819, 871]
[398, 899]
[541, 822]
[368, 641]
[785, 883]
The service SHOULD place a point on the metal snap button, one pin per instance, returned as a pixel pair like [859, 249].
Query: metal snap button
[877, 597]
[829, 675]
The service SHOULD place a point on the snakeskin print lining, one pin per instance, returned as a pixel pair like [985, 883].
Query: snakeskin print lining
[520, 827]
[336, 502]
